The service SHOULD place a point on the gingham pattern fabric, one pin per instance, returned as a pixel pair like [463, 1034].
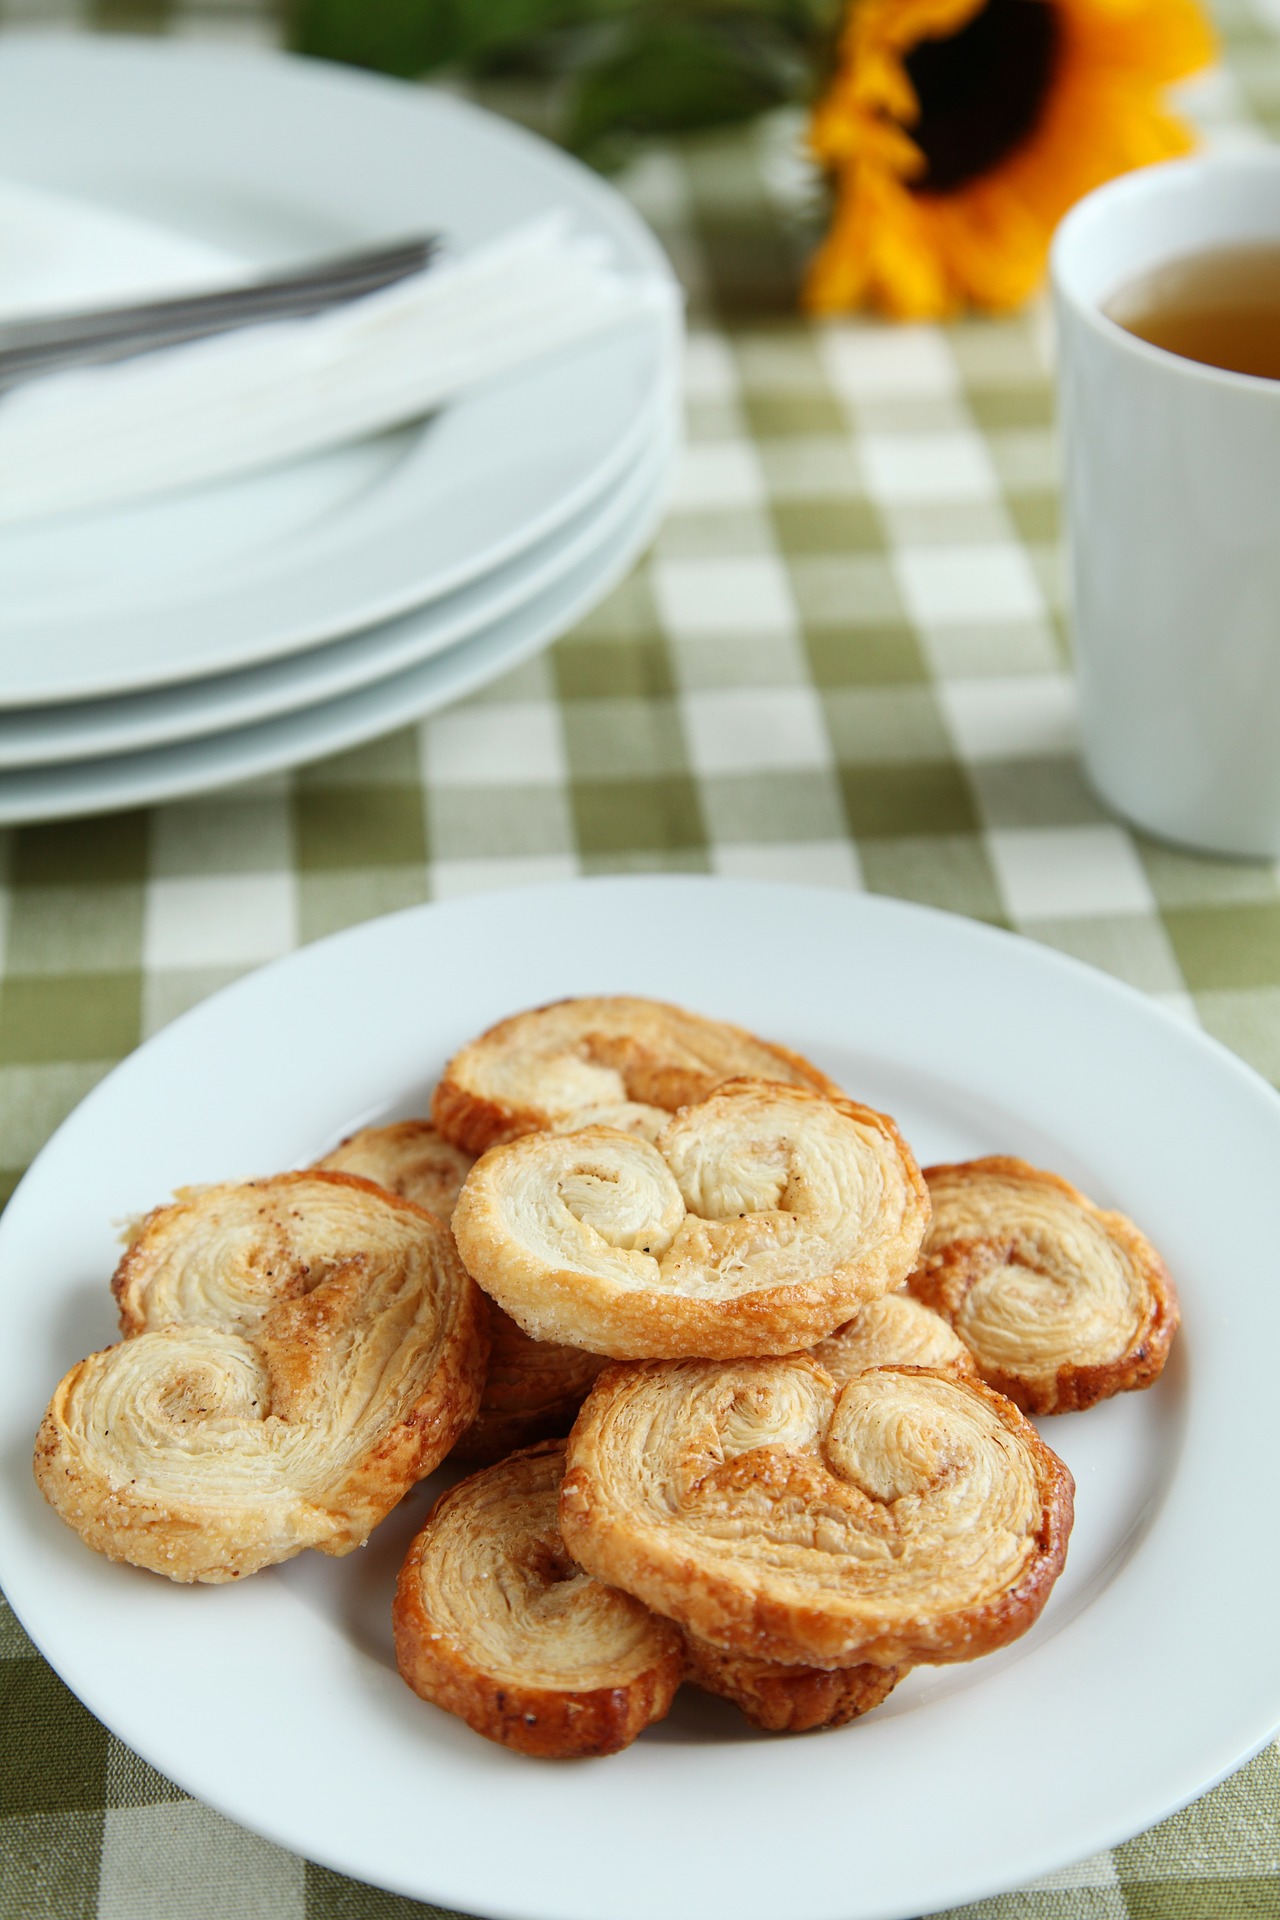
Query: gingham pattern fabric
[843, 662]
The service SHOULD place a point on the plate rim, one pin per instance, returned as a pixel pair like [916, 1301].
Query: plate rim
[422, 634]
[290, 736]
[196, 65]
[1155, 1025]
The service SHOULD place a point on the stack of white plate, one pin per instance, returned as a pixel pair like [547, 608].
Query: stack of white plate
[230, 631]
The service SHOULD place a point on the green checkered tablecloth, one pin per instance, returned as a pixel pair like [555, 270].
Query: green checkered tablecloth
[844, 662]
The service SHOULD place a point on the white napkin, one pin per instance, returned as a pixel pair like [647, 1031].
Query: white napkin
[57, 254]
[93, 436]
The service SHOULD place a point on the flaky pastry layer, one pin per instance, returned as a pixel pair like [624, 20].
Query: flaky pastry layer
[494, 1622]
[614, 1061]
[908, 1516]
[1060, 1303]
[895, 1331]
[408, 1157]
[781, 1699]
[759, 1221]
[533, 1388]
[299, 1351]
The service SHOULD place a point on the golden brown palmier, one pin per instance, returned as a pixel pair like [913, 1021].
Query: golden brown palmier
[534, 1387]
[759, 1221]
[299, 1352]
[408, 1157]
[894, 1331]
[494, 1622]
[612, 1061]
[1060, 1303]
[533, 1391]
[781, 1699]
[908, 1516]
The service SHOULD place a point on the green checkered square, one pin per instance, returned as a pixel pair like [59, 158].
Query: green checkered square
[60, 1017]
[358, 827]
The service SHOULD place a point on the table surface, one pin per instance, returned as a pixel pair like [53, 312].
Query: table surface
[843, 661]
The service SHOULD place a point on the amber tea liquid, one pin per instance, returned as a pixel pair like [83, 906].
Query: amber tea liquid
[1221, 307]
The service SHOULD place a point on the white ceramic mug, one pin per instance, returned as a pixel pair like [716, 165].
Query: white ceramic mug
[1172, 474]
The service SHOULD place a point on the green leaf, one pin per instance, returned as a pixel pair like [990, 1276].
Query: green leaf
[626, 67]
[410, 37]
[674, 74]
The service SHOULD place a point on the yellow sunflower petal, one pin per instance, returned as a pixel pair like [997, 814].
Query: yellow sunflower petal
[919, 255]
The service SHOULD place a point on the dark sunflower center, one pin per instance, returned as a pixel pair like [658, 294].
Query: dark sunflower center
[981, 90]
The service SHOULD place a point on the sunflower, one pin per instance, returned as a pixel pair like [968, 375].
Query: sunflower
[958, 132]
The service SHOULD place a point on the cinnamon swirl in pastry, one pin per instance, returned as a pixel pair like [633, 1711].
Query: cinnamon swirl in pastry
[1060, 1303]
[534, 1387]
[299, 1351]
[894, 1331]
[494, 1622]
[760, 1219]
[908, 1516]
[614, 1061]
[782, 1699]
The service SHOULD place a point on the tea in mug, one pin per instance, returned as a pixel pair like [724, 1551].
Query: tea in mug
[1221, 307]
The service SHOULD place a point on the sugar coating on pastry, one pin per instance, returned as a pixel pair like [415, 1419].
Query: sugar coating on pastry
[495, 1623]
[299, 1352]
[612, 1061]
[782, 1699]
[907, 1516]
[761, 1219]
[534, 1387]
[894, 1331]
[1060, 1303]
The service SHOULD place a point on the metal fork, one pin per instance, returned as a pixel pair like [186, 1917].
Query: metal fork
[48, 343]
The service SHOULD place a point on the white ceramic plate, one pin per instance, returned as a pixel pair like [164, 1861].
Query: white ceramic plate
[161, 773]
[275, 159]
[1155, 1668]
[162, 716]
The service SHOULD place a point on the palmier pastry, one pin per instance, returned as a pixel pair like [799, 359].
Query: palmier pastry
[894, 1331]
[495, 1623]
[299, 1352]
[907, 1516]
[534, 1387]
[409, 1157]
[533, 1391]
[615, 1061]
[1060, 1303]
[761, 1219]
[782, 1699]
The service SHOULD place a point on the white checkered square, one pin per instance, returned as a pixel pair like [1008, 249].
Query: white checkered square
[906, 468]
[754, 729]
[710, 370]
[1011, 716]
[718, 473]
[1056, 872]
[452, 878]
[219, 920]
[869, 362]
[658, 187]
[957, 584]
[1097, 1871]
[748, 593]
[181, 1861]
[213, 26]
[814, 863]
[515, 743]
[1179, 1006]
